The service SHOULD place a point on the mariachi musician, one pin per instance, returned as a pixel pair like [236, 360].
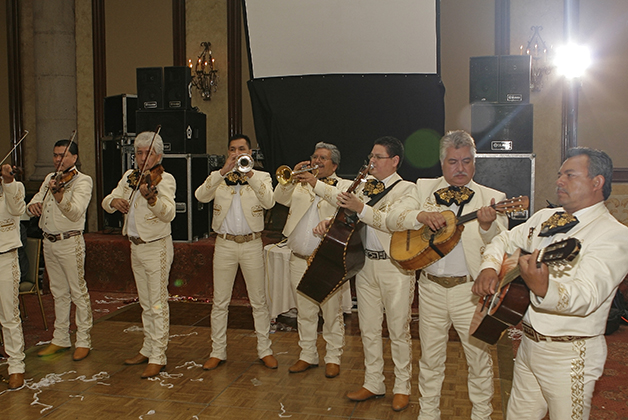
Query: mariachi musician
[240, 195]
[61, 204]
[445, 296]
[312, 198]
[146, 197]
[380, 285]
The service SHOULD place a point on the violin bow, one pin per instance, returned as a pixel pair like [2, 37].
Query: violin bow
[150, 150]
[14, 147]
[65, 153]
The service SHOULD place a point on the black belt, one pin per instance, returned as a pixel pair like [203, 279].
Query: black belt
[60, 236]
[375, 255]
[139, 241]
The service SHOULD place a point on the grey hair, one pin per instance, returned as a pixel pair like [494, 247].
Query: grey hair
[144, 139]
[456, 139]
[600, 163]
[335, 153]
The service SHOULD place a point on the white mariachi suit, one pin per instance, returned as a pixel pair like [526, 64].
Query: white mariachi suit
[12, 206]
[234, 248]
[441, 307]
[64, 255]
[151, 258]
[561, 375]
[300, 198]
[382, 286]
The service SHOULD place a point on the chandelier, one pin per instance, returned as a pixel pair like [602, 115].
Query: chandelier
[204, 75]
[540, 63]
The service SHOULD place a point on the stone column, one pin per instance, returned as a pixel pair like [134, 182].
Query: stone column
[55, 78]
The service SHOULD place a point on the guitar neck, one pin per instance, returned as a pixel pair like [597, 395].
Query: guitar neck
[467, 217]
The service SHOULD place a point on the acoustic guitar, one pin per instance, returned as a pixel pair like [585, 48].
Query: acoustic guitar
[495, 313]
[416, 249]
[339, 256]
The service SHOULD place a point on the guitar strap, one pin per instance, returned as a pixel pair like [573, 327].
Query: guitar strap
[353, 217]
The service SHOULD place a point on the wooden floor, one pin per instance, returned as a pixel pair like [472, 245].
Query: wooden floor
[102, 387]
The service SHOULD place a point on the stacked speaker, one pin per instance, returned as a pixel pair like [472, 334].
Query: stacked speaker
[501, 113]
[164, 98]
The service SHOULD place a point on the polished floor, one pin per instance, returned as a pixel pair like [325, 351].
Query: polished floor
[102, 387]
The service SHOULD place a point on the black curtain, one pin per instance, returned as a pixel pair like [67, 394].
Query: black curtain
[292, 114]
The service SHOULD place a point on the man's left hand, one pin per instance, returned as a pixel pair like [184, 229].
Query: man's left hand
[535, 275]
[350, 201]
[150, 194]
[487, 215]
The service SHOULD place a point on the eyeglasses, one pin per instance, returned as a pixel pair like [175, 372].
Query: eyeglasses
[378, 157]
[319, 157]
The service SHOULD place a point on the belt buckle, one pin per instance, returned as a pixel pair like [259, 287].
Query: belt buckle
[51, 238]
[446, 282]
[239, 239]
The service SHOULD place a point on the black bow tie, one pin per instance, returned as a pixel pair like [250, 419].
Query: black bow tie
[373, 187]
[235, 178]
[452, 194]
[559, 222]
[329, 181]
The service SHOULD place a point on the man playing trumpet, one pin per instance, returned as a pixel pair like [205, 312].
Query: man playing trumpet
[312, 198]
[240, 197]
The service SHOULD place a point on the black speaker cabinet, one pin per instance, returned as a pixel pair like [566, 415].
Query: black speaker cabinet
[112, 171]
[502, 128]
[192, 220]
[119, 115]
[514, 79]
[150, 88]
[512, 174]
[177, 84]
[182, 131]
[483, 79]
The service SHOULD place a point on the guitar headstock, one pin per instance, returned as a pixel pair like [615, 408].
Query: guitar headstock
[514, 204]
[560, 252]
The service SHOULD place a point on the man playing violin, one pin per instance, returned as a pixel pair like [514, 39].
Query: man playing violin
[146, 198]
[381, 286]
[312, 198]
[61, 204]
[238, 220]
[12, 206]
[445, 296]
[563, 351]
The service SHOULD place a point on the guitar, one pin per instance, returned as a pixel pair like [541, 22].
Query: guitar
[416, 249]
[495, 313]
[340, 254]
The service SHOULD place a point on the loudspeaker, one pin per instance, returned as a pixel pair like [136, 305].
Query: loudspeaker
[514, 79]
[182, 131]
[501, 128]
[483, 79]
[177, 93]
[150, 87]
[513, 174]
[119, 115]
[112, 171]
[192, 220]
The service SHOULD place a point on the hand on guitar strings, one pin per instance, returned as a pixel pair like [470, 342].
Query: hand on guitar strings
[432, 219]
[534, 273]
[321, 228]
[486, 283]
[350, 201]
[487, 215]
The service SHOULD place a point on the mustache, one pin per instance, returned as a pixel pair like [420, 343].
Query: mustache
[461, 173]
[558, 189]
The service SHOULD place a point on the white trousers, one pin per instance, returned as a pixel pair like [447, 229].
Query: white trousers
[151, 264]
[65, 264]
[250, 257]
[10, 311]
[307, 320]
[380, 286]
[439, 309]
[556, 376]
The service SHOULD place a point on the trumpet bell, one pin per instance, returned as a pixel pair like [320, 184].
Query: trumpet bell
[284, 174]
[244, 163]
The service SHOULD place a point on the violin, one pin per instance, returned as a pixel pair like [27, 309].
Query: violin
[151, 177]
[63, 178]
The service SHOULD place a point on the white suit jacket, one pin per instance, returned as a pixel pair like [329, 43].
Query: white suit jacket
[255, 196]
[12, 206]
[403, 216]
[152, 222]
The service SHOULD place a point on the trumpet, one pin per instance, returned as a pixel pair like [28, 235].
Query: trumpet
[244, 163]
[285, 175]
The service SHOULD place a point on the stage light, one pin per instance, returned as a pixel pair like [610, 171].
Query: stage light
[572, 60]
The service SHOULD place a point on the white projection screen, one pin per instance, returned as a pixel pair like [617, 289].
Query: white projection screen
[303, 37]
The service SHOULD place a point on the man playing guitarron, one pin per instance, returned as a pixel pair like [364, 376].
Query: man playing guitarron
[445, 296]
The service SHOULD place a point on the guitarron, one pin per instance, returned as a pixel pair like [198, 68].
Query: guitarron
[339, 256]
[416, 249]
[495, 313]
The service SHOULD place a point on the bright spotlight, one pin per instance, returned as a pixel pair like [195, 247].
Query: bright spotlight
[572, 60]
